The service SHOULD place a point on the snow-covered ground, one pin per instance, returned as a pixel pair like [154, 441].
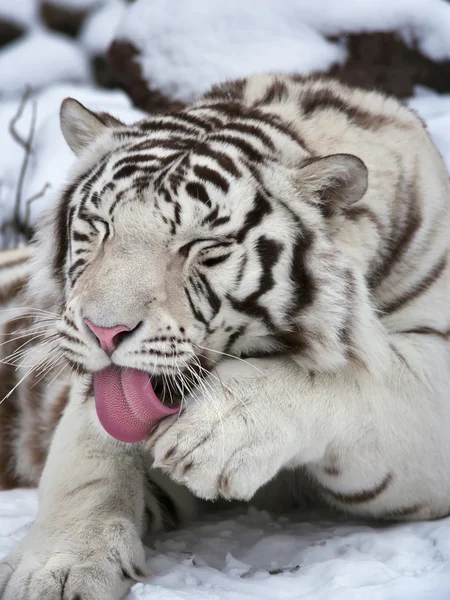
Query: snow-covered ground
[188, 45]
[251, 555]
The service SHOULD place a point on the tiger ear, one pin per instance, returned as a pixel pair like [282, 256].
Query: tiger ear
[334, 181]
[81, 127]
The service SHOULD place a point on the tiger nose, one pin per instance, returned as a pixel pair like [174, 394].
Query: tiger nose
[109, 337]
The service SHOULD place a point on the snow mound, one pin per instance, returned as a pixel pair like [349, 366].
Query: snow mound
[39, 59]
[185, 47]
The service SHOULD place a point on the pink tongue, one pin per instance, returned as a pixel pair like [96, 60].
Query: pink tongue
[126, 404]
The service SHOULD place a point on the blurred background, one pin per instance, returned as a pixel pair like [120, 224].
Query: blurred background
[134, 58]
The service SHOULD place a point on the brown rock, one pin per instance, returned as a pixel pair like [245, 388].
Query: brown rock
[64, 19]
[128, 73]
[9, 32]
[103, 72]
[382, 61]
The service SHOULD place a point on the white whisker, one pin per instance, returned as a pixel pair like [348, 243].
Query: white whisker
[25, 335]
[57, 374]
[230, 356]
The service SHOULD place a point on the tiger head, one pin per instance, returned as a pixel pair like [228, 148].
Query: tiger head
[192, 236]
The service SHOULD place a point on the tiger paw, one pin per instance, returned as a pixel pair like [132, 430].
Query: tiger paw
[100, 563]
[225, 443]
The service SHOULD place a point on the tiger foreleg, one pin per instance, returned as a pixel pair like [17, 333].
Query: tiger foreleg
[86, 541]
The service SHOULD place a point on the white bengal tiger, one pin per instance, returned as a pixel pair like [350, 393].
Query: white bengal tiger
[276, 256]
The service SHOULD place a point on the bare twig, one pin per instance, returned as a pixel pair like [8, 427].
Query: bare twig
[12, 125]
[27, 225]
[17, 227]
[27, 146]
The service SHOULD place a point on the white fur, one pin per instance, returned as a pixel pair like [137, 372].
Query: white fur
[351, 421]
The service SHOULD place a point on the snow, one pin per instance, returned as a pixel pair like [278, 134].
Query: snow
[251, 555]
[188, 46]
[101, 25]
[435, 110]
[44, 58]
[23, 12]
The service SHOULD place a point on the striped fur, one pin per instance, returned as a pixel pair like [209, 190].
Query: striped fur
[296, 224]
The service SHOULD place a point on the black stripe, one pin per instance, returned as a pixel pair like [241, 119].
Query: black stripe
[175, 180]
[118, 198]
[325, 99]
[80, 237]
[403, 512]
[228, 91]
[275, 122]
[445, 335]
[109, 187]
[254, 217]
[77, 265]
[220, 221]
[126, 171]
[230, 109]
[62, 226]
[91, 219]
[211, 176]
[70, 219]
[127, 134]
[276, 92]
[216, 260]
[70, 338]
[269, 252]
[211, 216]
[354, 213]
[140, 183]
[234, 337]
[73, 363]
[197, 314]
[95, 174]
[244, 146]
[304, 287]
[184, 250]
[198, 122]
[163, 125]
[211, 296]
[198, 192]
[251, 130]
[359, 497]
[224, 161]
[404, 228]
[420, 288]
[135, 158]
[171, 144]
[177, 212]
[167, 197]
